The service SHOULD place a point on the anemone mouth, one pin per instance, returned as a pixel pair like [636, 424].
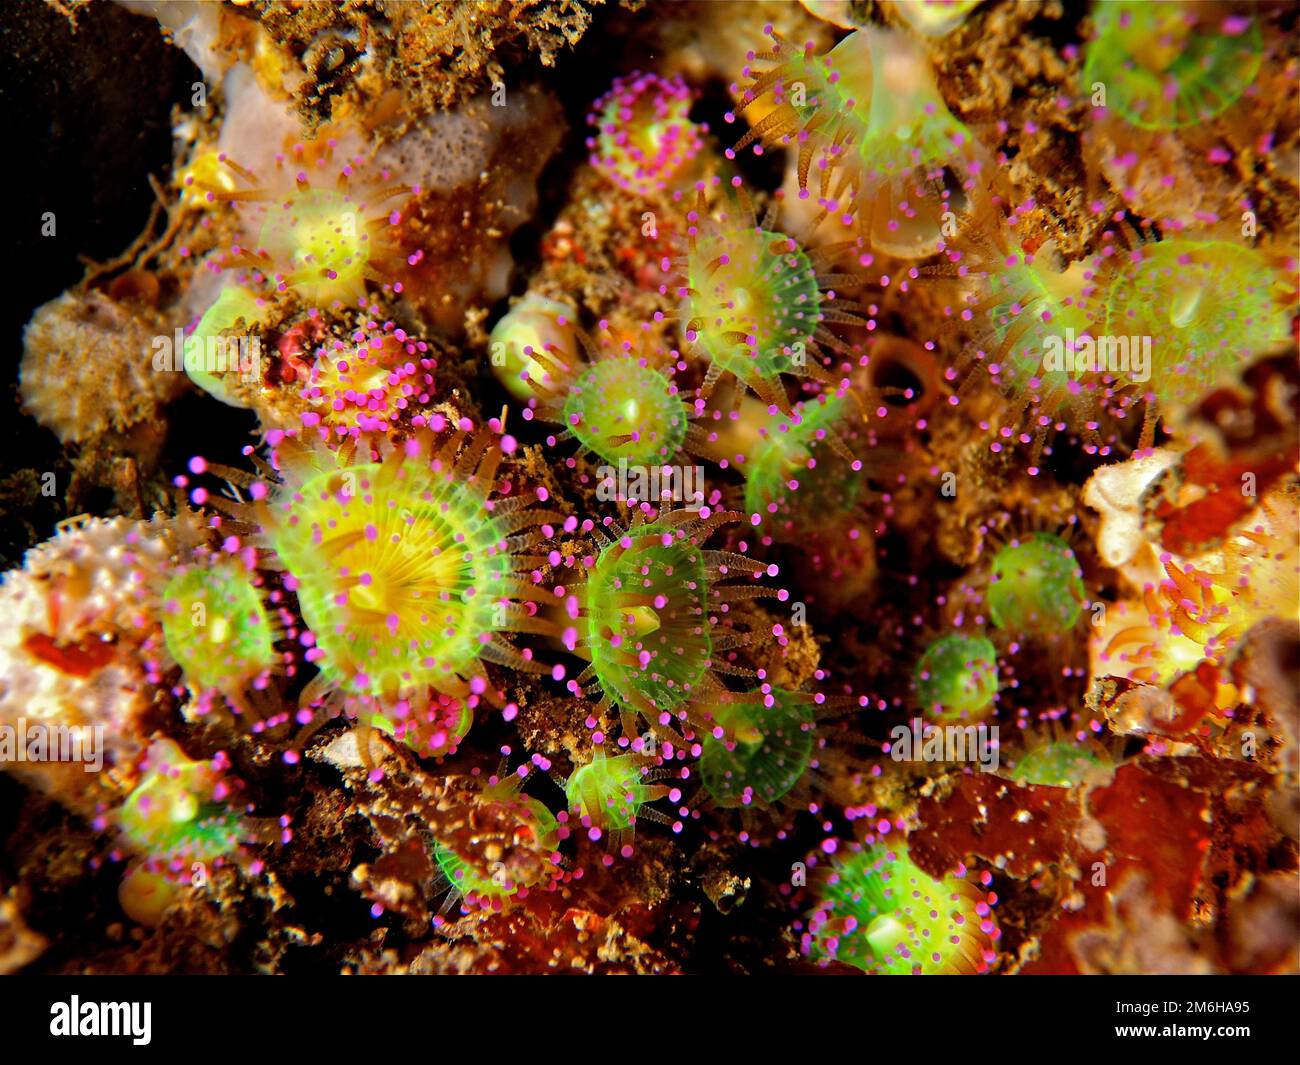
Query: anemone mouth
[621, 410]
[904, 374]
[879, 913]
[401, 572]
[647, 620]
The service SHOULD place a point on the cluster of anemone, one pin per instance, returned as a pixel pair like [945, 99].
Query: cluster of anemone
[319, 228]
[1142, 323]
[1200, 305]
[75, 625]
[1160, 81]
[413, 564]
[409, 568]
[1030, 592]
[760, 755]
[1184, 629]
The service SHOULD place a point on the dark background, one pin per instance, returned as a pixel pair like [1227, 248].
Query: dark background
[86, 118]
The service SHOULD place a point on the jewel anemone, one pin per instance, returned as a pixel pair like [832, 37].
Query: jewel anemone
[617, 402]
[176, 813]
[609, 794]
[1209, 307]
[645, 138]
[868, 117]
[1037, 587]
[880, 913]
[323, 239]
[765, 751]
[408, 564]
[508, 848]
[755, 304]
[1169, 65]
[217, 629]
[956, 678]
[651, 616]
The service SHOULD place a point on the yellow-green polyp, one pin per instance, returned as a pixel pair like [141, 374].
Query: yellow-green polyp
[880, 913]
[404, 571]
[648, 627]
[1037, 586]
[765, 753]
[957, 677]
[620, 409]
[216, 627]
